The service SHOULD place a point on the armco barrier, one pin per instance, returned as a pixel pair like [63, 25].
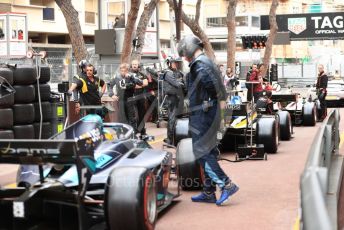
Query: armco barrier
[321, 178]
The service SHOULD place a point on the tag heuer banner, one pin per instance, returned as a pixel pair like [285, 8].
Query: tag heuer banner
[319, 26]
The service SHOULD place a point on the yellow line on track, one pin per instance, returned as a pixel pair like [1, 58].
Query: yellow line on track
[13, 185]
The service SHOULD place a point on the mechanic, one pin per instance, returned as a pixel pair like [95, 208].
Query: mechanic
[257, 76]
[253, 70]
[140, 96]
[207, 96]
[152, 77]
[264, 102]
[88, 87]
[122, 89]
[321, 86]
[173, 87]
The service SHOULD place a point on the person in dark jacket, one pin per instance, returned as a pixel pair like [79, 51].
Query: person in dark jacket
[140, 96]
[152, 88]
[173, 87]
[321, 88]
[207, 96]
[122, 89]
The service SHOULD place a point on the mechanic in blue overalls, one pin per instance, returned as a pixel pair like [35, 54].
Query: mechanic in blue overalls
[206, 94]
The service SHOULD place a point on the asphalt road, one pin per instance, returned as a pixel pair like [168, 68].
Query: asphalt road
[269, 190]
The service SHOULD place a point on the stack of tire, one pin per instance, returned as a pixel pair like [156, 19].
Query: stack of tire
[26, 115]
[6, 111]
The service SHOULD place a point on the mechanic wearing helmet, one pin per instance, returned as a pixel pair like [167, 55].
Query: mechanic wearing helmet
[173, 87]
[122, 89]
[140, 96]
[207, 95]
[321, 86]
[88, 87]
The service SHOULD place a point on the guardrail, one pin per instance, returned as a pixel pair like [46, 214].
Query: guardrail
[321, 178]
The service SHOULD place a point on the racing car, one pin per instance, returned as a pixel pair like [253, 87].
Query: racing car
[93, 175]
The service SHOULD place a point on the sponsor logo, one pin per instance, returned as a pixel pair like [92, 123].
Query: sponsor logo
[29, 151]
[297, 25]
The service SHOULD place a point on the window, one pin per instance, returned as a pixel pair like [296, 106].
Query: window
[255, 21]
[90, 11]
[219, 46]
[116, 14]
[48, 14]
[216, 22]
[241, 20]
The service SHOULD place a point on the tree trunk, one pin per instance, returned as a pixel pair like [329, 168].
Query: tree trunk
[196, 29]
[74, 29]
[272, 35]
[129, 29]
[231, 43]
[141, 29]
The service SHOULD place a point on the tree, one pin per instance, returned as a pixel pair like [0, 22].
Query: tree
[141, 29]
[193, 24]
[74, 29]
[129, 29]
[231, 37]
[272, 35]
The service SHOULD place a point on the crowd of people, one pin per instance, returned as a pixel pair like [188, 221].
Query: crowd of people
[206, 87]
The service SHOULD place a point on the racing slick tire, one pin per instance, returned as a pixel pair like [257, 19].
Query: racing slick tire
[6, 118]
[45, 74]
[46, 111]
[309, 114]
[23, 114]
[267, 133]
[45, 92]
[7, 101]
[181, 130]
[46, 130]
[130, 199]
[7, 73]
[24, 75]
[24, 94]
[285, 125]
[6, 134]
[188, 169]
[24, 132]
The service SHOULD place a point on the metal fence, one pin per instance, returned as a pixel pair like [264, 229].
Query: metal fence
[320, 180]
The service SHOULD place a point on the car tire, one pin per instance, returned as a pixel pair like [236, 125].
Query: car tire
[285, 125]
[46, 130]
[181, 130]
[6, 134]
[46, 111]
[24, 132]
[7, 73]
[45, 92]
[24, 75]
[267, 134]
[23, 114]
[24, 94]
[188, 169]
[6, 118]
[309, 114]
[130, 199]
[7, 101]
[45, 74]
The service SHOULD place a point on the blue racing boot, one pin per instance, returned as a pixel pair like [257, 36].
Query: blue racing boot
[204, 197]
[227, 191]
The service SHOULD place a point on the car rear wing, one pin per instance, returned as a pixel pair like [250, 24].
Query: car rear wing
[38, 152]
